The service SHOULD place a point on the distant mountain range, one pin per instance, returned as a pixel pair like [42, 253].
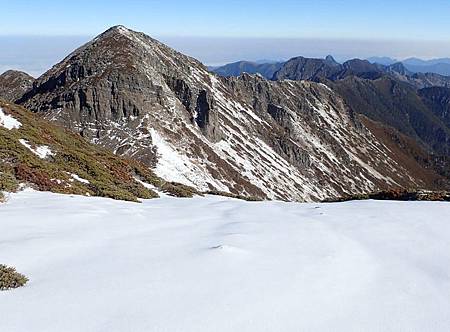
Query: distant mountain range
[414, 65]
[313, 69]
[438, 66]
[237, 68]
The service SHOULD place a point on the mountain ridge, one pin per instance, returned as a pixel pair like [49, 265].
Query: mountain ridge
[280, 140]
[420, 76]
[439, 66]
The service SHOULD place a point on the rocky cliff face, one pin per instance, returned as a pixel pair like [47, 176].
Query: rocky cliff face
[281, 140]
[13, 84]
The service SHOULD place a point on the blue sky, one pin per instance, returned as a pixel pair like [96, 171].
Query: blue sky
[35, 34]
[382, 19]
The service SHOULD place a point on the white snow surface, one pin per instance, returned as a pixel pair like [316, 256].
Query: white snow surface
[8, 122]
[177, 167]
[171, 165]
[42, 151]
[219, 264]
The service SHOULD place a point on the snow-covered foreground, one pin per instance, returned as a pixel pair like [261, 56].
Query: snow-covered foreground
[217, 264]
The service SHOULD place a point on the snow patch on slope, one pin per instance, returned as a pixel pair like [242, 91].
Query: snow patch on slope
[42, 151]
[79, 179]
[177, 167]
[171, 165]
[8, 122]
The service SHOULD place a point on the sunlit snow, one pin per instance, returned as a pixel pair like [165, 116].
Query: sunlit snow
[79, 179]
[8, 122]
[42, 151]
[219, 264]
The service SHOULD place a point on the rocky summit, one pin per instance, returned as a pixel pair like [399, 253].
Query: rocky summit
[290, 140]
[13, 84]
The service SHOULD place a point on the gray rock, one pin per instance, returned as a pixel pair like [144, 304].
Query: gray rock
[13, 84]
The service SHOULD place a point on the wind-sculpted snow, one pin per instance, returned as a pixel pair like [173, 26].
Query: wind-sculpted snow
[219, 264]
[280, 140]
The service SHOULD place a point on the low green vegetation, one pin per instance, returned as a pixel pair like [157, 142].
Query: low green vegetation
[242, 197]
[10, 278]
[397, 195]
[7, 180]
[177, 190]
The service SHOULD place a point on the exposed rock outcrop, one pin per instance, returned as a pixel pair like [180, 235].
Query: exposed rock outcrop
[13, 84]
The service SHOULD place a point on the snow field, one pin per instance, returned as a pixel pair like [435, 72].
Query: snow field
[219, 264]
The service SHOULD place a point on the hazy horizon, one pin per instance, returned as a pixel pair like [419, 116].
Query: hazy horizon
[34, 35]
[37, 54]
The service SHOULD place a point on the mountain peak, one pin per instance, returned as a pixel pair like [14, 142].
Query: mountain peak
[14, 83]
[398, 67]
[119, 29]
[330, 59]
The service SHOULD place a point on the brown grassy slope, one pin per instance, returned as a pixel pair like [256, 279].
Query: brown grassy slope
[423, 165]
